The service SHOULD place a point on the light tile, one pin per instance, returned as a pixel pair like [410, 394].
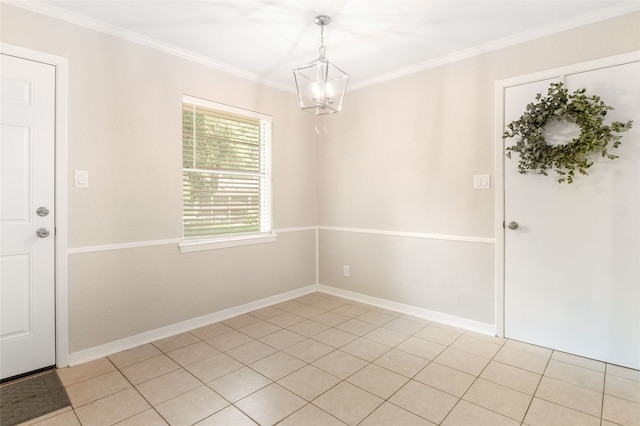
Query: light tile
[230, 416]
[163, 388]
[285, 320]
[340, 364]
[357, 327]
[477, 347]
[134, 355]
[378, 381]
[270, 404]
[92, 389]
[485, 337]
[623, 388]
[348, 403]
[191, 407]
[149, 368]
[386, 336]
[439, 335]
[389, 414]
[466, 414]
[445, 378]
[511, 377]
[404, 326]
[289, 305]
[282, 339]
[522, 359]
[240, 383]
[334, 337]
[527, 347]
[309, 382]
[240, 321]
[422, 348]
[401, 362]
[66, 418]
[308, 328]
[146, 418]
[544, 413]
[227, 341]
[112, 409]
[376, 317]
[80, 372]
[576, 375]
[310, 415]
[621, 411]
[277, 365]
[211, 330]
[463, 361]
[570, 396]
[579, 361]
[192, 353]
[213, 367]
[500, 399]
[627, 373]
[308, 311]
[350, 310]
[259, 329]
[175, 342]
[308, 350]
[251, 352]
[329, 304]
[331, 319]
[268, 312]
[365, 349]
[424, 401]
[310, 299]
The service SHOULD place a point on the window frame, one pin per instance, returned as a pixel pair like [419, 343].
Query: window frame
[240, 239]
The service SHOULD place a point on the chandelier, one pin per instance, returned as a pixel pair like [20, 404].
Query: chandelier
[321, 85]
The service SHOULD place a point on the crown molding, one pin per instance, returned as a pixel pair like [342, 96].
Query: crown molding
[589, 18]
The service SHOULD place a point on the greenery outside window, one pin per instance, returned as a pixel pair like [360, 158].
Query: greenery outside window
[226, 176]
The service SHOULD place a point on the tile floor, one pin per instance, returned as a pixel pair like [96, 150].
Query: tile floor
[323, 360]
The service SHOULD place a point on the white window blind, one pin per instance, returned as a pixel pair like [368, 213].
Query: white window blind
[226, 171]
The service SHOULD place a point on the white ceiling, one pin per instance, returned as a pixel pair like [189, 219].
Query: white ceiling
[372, 40]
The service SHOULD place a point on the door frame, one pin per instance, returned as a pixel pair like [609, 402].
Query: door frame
[500, 87]
[61, 210]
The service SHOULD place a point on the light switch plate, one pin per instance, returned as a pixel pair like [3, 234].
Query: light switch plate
[482, 182]
[81, 179]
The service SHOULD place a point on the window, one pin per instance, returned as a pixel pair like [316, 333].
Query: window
[226, 175]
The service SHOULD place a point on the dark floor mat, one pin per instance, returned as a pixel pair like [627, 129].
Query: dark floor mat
[30, 398]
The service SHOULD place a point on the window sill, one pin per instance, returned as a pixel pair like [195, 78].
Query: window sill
[226, 242]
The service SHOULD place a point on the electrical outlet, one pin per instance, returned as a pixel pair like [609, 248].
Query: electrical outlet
[345, 271]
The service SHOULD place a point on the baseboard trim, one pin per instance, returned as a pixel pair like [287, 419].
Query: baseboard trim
[116, 346]
[455, 321]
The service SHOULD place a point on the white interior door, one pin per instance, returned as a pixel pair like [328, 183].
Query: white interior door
[572, 266]
[27, 268]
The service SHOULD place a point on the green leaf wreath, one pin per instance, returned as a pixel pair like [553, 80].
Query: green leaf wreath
[588, 112]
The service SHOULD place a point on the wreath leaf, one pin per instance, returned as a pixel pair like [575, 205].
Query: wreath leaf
[588, 112]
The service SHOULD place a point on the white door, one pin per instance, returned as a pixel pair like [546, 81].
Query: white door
[572, 266]
[27, 296]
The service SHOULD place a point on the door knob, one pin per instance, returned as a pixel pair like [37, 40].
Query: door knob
[513, 225]
[42, 232]
[42, 211]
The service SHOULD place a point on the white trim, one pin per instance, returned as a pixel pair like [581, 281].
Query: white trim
[96, 25]
[565, 25]
[61, 154]
[462, 238]
[500, 87]
[151, 243]
[226, 242]
[455, 321]
[182, 327]
[192, 100]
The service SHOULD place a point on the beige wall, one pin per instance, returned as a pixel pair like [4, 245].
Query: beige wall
[401, 158]
[125, 129]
